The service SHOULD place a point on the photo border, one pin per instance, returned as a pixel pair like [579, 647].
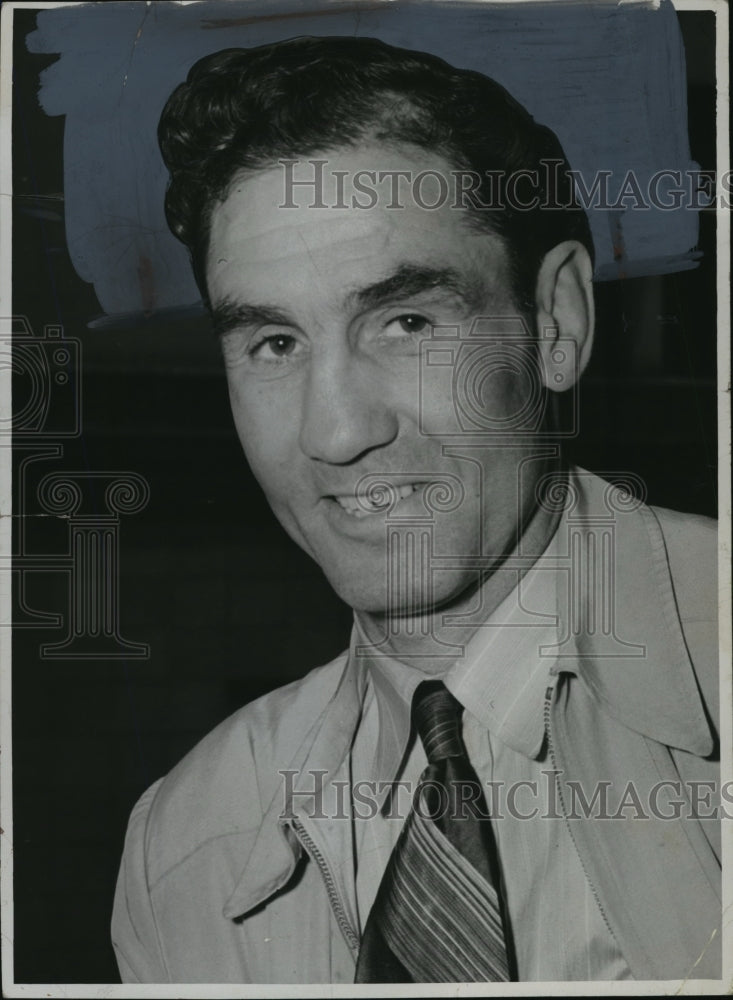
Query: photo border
[689, 987]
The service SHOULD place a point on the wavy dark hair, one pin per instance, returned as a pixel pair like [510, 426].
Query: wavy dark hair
[244, 109]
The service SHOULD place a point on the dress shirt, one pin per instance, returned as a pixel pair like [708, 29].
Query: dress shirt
[501, 679]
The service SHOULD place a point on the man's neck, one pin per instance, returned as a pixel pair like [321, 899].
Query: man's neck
[415, 639]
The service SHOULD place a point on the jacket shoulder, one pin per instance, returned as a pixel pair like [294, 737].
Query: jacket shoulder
[691, 541]
[691, 544]
[224, 785]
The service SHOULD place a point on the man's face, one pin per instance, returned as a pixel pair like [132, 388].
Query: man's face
[324, 311]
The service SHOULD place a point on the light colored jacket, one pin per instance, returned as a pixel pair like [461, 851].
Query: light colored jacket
[216, 887]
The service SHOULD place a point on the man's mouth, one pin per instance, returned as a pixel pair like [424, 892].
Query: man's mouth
[375, 501]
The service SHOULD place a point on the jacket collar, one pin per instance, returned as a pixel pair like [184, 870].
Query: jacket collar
[639, 669]
[322, 759]
[623, 637]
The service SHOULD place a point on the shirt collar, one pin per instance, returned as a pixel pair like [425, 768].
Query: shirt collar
[394, 684]
[501, 677]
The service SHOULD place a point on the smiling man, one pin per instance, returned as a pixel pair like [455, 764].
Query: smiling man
[500, 779]
[322, 312]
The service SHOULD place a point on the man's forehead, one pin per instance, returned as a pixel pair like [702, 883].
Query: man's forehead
[393, 184]
[252, 218]
[394, 164]
[262, 224]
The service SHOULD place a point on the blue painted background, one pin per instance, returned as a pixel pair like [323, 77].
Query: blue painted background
[609, 79]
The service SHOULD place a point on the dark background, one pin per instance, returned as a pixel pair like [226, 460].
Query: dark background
[229, 607]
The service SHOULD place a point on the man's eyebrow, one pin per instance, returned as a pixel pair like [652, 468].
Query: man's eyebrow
[228, 315]
[411, 279]
[407, 280]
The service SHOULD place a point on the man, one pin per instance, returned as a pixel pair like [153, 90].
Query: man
[396, 319]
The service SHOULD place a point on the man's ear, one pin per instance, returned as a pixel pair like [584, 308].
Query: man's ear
[565, 314]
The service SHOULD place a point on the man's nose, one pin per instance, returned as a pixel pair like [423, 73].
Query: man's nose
[346, 411]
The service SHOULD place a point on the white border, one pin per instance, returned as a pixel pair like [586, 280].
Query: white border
[633, 988]
[6, 492]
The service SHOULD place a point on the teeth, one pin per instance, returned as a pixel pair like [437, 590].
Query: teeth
[349, 503]
[361, 505]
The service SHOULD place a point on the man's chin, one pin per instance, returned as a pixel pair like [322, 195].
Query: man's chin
[375, 598]
[367, 598]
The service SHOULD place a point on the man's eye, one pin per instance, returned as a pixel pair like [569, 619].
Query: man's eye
[280, 345]
[412, 323]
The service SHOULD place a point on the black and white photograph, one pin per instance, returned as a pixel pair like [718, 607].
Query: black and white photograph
[365, 592]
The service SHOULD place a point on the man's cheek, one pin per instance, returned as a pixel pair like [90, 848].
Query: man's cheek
[272, 470]
[437, 416]
[266, 428]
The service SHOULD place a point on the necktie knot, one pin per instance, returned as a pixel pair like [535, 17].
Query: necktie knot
[437, 717]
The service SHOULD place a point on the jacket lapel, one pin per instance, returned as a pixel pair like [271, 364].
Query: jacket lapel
[656, 879]
[309, 795]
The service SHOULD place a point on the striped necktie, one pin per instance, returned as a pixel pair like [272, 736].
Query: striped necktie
[438, 916]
